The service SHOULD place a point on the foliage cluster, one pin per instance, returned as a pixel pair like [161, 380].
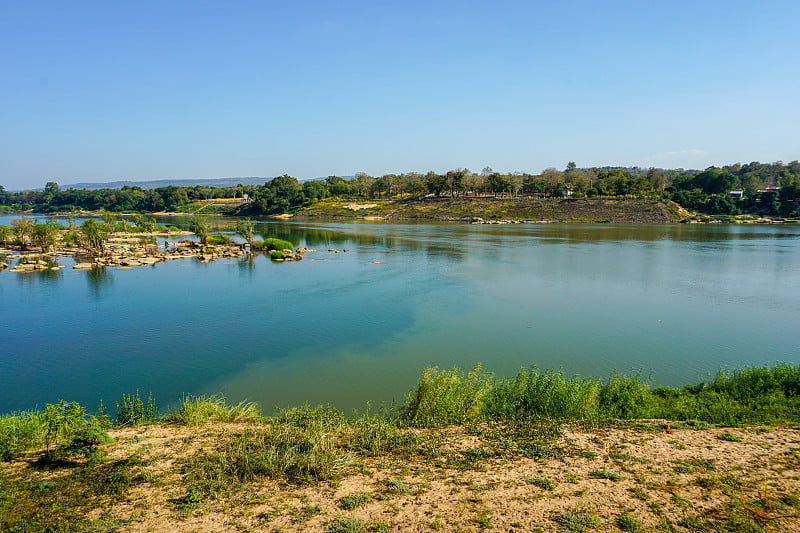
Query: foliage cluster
[704, 191]
[271, 243]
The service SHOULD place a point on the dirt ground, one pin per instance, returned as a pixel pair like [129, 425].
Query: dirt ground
[636, 477]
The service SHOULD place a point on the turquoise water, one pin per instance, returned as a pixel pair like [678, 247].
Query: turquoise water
[675, 303]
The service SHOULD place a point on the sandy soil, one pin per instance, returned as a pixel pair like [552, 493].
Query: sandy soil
[664, 479]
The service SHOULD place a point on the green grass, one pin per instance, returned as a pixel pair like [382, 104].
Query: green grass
[299, 455]
[300, 445]
[747, 395]
[448, 397]
[21, 431]
[196, 410]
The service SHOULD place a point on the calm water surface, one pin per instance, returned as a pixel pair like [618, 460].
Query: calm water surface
[675, 303]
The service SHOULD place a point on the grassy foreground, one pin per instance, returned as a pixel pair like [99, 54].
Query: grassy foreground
[467, 452]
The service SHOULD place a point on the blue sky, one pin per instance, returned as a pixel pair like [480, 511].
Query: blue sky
[101, 91]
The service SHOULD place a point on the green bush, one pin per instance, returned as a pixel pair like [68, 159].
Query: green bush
[276, 244]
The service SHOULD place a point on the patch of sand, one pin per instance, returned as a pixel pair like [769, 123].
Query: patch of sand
[357, 207]
[663, 478]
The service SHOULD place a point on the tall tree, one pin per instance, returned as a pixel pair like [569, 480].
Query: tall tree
[94, 235]
[246, 230]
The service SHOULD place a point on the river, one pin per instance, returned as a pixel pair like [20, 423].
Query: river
[674, 303]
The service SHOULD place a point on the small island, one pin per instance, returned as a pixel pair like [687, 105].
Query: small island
[126, 244]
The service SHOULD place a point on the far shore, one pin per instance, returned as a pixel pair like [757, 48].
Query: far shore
[481, 210]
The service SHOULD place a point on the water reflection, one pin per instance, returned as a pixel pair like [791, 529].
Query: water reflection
[98, 279]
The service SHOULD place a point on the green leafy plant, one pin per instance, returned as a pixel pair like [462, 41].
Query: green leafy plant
[131, 410]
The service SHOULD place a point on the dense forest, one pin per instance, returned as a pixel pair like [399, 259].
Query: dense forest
[771, 189]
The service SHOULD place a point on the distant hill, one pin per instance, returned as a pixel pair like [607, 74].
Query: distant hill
[155, 184]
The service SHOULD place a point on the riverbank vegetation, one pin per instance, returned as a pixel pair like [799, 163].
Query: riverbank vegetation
[757, 189]
[467, 451]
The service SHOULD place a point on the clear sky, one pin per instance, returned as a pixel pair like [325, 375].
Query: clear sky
[107, 90]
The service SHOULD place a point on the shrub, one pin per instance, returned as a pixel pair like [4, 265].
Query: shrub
[220, 239]
[275, 244]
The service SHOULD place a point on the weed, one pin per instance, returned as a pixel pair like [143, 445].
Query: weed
[394, 486]
[354, 501]
[304, 514]
[132, 411]
[628, 458]
[196, 410]
[300, 455]
[605, 474]
[541, 482]
[730, 437]
[61, 503]
[544, 394]
[484, 519]
[374, 435]
[351, 525]
[628, 522]
[575, 522]
[639, 493]
[687, 466]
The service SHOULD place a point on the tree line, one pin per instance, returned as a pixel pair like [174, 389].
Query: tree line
[705, 191]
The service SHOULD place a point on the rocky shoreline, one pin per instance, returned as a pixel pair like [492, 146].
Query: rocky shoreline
[125, 250]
